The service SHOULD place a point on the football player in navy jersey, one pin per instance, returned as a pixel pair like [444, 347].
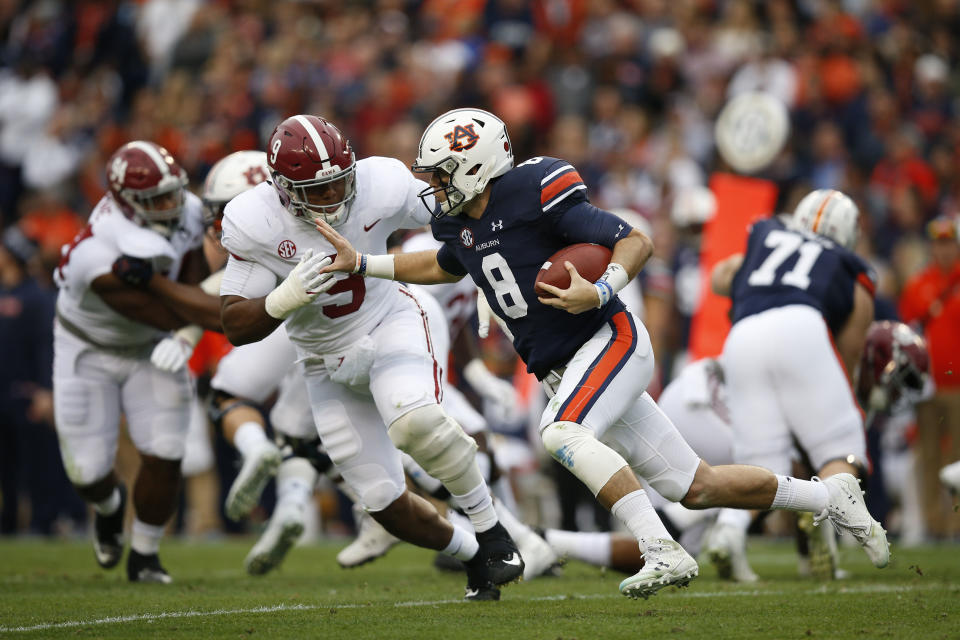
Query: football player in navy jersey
[500, 223]
[802, 305]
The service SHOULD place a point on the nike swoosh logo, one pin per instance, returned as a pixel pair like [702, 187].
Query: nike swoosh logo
[367, 228]
[514, 560]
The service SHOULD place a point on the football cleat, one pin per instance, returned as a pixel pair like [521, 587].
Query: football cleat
[847, 511]
[372, 541]
[539, 558]
[141, 568]
[950, 476]
[666, 563]
[727, 550]
[108, 533]
[479, 584]
[500, 554]
[254, 475]
[445, 562]
[282, 532]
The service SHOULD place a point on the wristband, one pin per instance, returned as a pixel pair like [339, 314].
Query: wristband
[613, 280]
[378, 266]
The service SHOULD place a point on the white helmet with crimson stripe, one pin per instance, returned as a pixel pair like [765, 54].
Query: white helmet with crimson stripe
[829, 213]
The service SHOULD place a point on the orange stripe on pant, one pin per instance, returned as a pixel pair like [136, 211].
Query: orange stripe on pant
[602, 370]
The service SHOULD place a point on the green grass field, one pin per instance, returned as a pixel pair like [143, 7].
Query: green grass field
[55, 590]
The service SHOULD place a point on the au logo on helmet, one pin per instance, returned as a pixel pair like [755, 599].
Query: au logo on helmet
[462, 137]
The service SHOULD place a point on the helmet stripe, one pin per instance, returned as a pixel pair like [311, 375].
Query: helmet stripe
[823, 206]
[315, 137]
[152, 153]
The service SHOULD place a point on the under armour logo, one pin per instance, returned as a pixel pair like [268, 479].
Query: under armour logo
[496, 226]
[618, 231]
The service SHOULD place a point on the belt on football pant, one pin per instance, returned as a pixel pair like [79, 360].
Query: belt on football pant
[133, 351]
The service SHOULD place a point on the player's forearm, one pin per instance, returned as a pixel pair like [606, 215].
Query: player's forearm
[420, 268]
[632, 252]
[189, 302]
[136, 304]
[721, 278]
[246, 320]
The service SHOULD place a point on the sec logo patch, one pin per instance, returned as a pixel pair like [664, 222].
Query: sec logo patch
[287, 249]
[466, 237]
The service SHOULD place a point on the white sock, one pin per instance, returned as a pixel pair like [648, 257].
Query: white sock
[635, 511]
[457, 519]
[591, 547]
[145, 538]
[478, 505]
[109, 505]
[800, 495]
[462, 546]
[517, 530]
[296, 478]
[249, 437]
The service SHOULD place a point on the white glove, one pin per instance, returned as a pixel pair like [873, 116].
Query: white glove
[484, 314]
[171, 354]
[492, 388]
[300, 287]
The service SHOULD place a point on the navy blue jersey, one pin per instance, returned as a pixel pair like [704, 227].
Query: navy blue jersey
[535, 209]
[785, 266]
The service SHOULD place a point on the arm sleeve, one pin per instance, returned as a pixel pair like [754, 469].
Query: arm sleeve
[449, 263]
[89, 260]
[583, 222]
[246, 279]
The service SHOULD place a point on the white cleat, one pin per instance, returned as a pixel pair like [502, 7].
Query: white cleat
[254, 475]
[666, 563]
[950, 476]
[372, 541]
[538, 556]
[284, 529]
[727, 550]
[847, 511]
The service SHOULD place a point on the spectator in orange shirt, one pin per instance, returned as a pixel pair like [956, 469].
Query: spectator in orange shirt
[931, 301]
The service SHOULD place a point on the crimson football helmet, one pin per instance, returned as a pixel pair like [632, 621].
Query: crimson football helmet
[895, 366]
[148, 185]
[313, 169]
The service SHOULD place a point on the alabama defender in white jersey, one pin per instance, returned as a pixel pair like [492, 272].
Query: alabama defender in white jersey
[125, 281]
[365, 348]
[500, 223]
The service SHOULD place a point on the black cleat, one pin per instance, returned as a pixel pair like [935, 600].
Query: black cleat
[108, 534]
[142, 568]
[479, 586]
[500, 554]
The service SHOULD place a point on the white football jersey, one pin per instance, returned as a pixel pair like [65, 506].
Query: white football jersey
[265, 239]
[458, 299]
[108, 235]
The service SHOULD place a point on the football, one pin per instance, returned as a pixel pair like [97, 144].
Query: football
[591, 261]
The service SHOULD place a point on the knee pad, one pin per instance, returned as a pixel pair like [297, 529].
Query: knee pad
[577, 448]
[222, 403]
[379, 496]
[309, 448]
[435, 441]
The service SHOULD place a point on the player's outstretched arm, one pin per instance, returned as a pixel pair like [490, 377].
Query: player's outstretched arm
[853, 335]
[420, 267]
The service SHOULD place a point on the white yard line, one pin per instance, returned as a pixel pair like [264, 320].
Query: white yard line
[832, 589]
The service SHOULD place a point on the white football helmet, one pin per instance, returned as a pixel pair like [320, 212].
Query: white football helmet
[829, 213]
[470, 147]
[228, 178]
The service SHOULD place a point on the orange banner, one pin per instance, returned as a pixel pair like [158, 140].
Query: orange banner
[740, 201]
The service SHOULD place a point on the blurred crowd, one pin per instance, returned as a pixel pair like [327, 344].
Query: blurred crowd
[626, 90]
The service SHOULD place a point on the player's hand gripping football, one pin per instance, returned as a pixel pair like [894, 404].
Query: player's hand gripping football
[346, 258]
[580, 296]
